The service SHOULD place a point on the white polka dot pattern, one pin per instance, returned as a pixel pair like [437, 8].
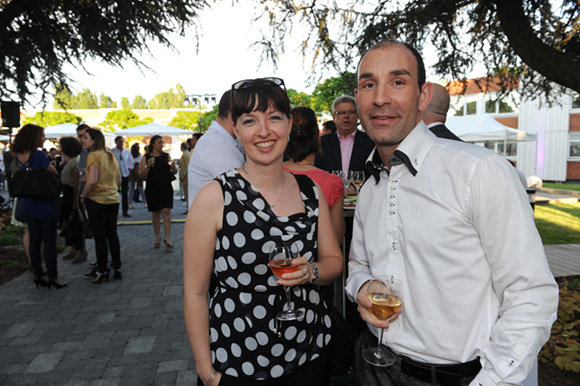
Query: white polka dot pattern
[247, 299]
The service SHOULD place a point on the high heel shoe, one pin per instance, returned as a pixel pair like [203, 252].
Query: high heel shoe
[117, 275]
[40, 282]
[56, 284]
[92, 273]
[168, 245]
[100, 277]
[157, 245]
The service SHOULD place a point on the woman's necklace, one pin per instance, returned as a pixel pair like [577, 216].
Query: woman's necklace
[281, 191]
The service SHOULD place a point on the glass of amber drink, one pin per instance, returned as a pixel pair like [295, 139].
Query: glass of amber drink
[387, 302]
[281, 256]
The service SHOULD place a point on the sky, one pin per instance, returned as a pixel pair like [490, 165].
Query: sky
[224, 57]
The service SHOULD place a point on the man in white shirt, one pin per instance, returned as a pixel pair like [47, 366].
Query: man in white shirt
[451, 221]
[125, 160]
[217, 151]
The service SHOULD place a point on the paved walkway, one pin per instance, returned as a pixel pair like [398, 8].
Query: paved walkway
[128, 332]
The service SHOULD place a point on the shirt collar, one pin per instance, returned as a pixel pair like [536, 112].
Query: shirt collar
[411, 152]
[351, 135]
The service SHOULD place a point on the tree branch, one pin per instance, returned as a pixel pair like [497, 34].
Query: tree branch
[533, 51]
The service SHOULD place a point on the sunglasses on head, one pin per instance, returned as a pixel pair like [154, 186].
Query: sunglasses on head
[269, 82]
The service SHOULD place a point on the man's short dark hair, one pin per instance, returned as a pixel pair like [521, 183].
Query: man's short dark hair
[224, 108]
[421, 74]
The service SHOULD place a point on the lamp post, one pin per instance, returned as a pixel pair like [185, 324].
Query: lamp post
[197, 99]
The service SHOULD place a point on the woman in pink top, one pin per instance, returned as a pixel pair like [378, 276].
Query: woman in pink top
[302, 147]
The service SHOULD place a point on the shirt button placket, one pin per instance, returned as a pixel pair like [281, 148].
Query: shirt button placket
[392, 208]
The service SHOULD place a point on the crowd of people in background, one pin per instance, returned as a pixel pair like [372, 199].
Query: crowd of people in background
[262, 175]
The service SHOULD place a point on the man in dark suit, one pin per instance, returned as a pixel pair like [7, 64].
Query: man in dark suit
[347, 148]
[435, 114]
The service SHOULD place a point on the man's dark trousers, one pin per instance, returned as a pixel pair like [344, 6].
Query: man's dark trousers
[125, 194]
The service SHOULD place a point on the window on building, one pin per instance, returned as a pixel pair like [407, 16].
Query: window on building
[471, 108]
[576, 101]
[574, 144]
[498, 147]
[462, 107]
[498, 107]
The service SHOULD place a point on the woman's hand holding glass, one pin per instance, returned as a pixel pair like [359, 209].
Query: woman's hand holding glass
[290, 269]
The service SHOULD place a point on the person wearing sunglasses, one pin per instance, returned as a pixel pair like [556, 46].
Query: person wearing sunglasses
[232, 225]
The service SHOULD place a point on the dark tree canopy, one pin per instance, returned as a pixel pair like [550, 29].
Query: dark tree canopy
[39, 37]
[535, 42]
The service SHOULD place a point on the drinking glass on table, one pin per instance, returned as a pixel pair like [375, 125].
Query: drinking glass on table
[358, 179]
[386, 296]
[346, 176]
[281, 256]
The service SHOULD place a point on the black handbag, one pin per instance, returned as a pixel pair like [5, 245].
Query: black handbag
[36, 184]
[72, 229]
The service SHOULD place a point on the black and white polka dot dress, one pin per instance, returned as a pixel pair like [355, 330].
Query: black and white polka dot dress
[243, 307]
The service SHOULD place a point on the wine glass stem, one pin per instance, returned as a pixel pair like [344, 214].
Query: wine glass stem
[287, 290]
[379, 352]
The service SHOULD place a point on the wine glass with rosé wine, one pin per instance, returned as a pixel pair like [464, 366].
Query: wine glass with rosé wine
[386, 297]
[281, 256]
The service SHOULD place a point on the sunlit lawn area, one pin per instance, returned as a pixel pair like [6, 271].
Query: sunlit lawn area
[550, 185]
[559, 223]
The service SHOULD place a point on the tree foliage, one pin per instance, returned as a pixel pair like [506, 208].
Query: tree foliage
[168, 99]
[535, 42]
[123, 119]
[51, 118]
[85, 99]
[38, 38]
[139, 103]
[299, 98]
[185, 120]
[326, 92]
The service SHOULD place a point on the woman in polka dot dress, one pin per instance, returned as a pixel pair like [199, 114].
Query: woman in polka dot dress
[233, 223]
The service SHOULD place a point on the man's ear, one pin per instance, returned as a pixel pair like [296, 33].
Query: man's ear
[426, 95]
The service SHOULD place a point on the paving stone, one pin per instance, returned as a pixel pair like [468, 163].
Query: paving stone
[140, 345]
[186, 378]
[44, 362]
[19, 330]
[176, 365]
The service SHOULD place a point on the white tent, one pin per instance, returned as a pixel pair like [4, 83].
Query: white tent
[62, 130]
[152, 129]
[483, 128]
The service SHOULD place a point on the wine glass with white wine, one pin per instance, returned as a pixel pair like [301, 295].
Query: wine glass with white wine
[386, 297]
[358, 179]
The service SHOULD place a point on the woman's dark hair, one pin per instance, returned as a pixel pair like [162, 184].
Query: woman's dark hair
[304, 135]
[151, 142]
[26, 140]
[135, 150]
[259, 97]
[70, 146]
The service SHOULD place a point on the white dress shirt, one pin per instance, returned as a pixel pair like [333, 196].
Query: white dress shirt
[216, 152]
[125, 160]
[461, 236]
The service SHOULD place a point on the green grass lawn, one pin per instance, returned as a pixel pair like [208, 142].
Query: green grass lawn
[575, 187]
[559, 223]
